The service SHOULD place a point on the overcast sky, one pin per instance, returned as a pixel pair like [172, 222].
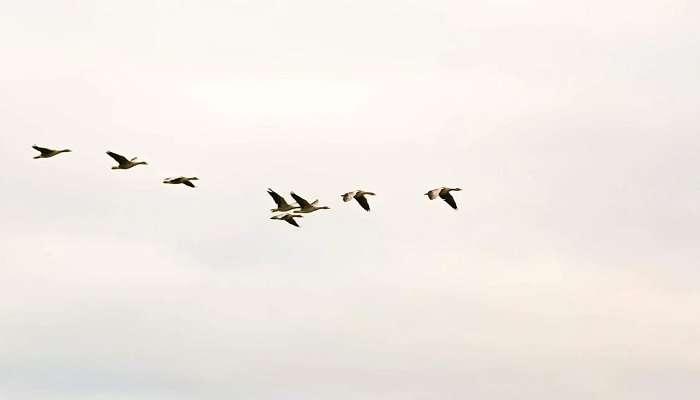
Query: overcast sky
[570, 271]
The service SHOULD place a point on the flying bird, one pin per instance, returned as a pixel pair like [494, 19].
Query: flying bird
[282, 204]
[123, 162]
[358, 195]
[444, 193]
[289, 218]
[305, 206]
[181, 180]
[47, 153]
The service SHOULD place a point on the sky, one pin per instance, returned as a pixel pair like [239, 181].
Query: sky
[569, 271]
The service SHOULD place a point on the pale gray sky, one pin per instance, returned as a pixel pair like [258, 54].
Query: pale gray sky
[570, 271]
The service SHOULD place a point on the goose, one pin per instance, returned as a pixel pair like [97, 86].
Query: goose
[181, 179]
[289, 218]
[282, 204]
[305, 206]
[123, 162]
[47, 153]
[358, 195]
[444, 193]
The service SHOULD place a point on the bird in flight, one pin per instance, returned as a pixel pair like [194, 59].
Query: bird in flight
[444, 193]
[289, 218]
[282, 204]
[305, 206]
[358, 195]
[123, 162]
[181, 180]
[47, 153]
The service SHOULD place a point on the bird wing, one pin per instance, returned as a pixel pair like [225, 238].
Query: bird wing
[188, 183]
[433, 194]
[118, 158]
[42, 150]
[279, 200]
[292, 221]
[348, 196]
[449, 200]
[363, 202]
[300, 200]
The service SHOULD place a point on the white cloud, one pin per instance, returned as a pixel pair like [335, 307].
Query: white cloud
[568, 271]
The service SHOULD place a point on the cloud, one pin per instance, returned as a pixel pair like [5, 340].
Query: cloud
[568, 271]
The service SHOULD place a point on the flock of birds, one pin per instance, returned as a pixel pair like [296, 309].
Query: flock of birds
[287, 212]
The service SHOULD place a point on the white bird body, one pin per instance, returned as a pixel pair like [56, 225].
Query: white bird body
[444, 193]
[289, 218]
[358, 195]
[48, 153]
[306, 207]
[123, 162]
[349, 196]
[181, 180]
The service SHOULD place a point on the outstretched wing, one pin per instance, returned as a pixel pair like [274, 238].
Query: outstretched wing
[292, 221]
[300, 200]
[363, 202]
[449, 200]
[118, 158]
[42, 150]
[188, 183]
[279, 200]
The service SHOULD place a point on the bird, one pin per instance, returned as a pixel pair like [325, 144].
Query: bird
[305, 206]
[46, 153]
[358, 195]
[444, 193]
[282, 204]
[181, 179]
[123, 162]
[288, 217]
